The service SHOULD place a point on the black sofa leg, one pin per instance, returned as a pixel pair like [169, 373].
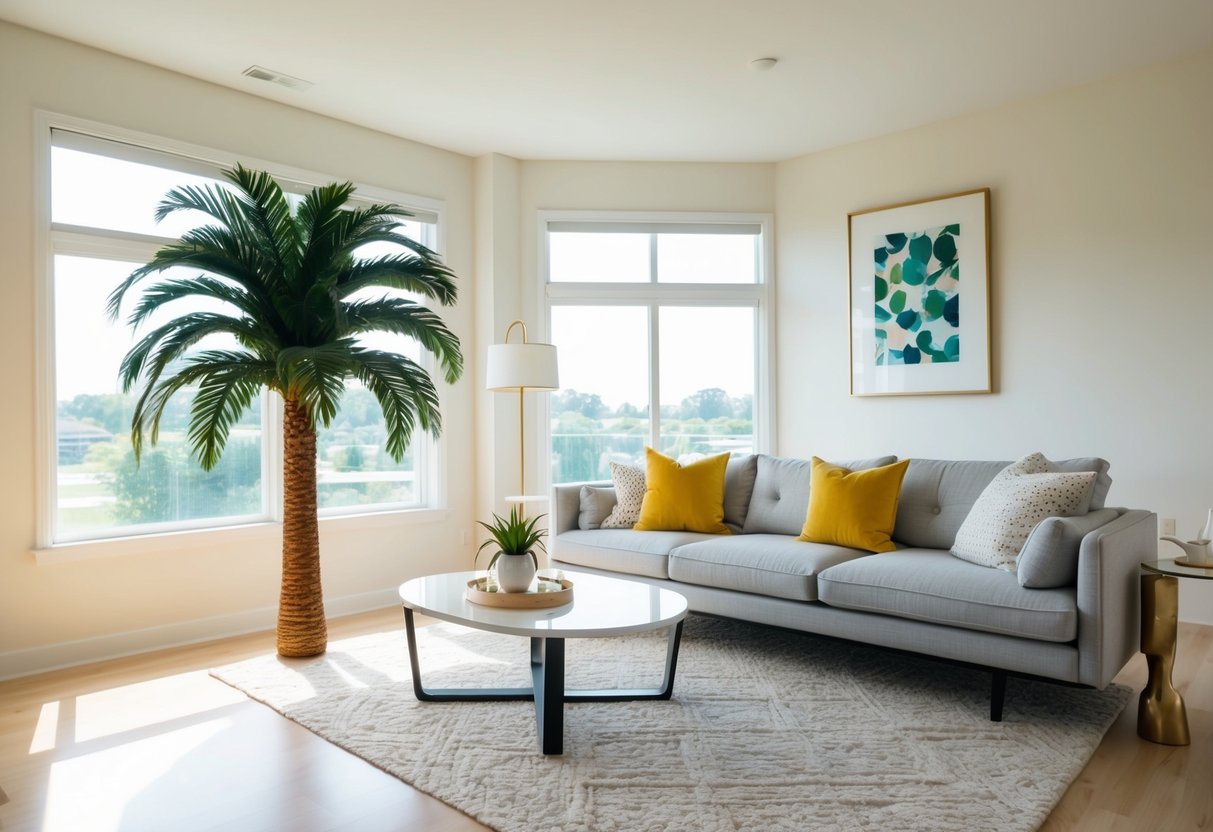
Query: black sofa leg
[998, 694]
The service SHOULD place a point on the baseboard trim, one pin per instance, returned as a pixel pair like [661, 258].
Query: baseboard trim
[64, 654]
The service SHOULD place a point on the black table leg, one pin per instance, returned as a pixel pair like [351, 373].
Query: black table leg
[548, 679]
[425, 694]
[547, 685]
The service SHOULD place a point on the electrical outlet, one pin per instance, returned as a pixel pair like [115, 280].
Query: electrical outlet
[1166, 525]
[463, 536]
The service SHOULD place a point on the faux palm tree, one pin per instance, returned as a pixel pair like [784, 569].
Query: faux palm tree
[294, 292]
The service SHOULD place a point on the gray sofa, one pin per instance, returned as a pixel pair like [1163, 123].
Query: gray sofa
[919, 598]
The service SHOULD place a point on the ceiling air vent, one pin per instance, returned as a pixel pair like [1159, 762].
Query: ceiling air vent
[288, 81]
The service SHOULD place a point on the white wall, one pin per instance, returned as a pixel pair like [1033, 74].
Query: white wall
[1102, 216]
[498, 303]
[203, 585]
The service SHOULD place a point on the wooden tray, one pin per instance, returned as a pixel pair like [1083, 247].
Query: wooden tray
[555, 593]
[1183, 561]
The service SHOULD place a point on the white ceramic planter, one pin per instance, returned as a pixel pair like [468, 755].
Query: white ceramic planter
[515, 572]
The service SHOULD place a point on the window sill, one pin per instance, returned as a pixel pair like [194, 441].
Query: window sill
[196, 539]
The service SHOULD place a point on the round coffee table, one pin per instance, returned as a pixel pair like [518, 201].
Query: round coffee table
[601, 607]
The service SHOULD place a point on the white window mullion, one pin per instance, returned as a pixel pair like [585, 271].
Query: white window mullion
[654, 375]
[654, 350]
[653, 276]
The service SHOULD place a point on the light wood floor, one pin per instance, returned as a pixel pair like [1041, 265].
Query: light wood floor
[153, 743]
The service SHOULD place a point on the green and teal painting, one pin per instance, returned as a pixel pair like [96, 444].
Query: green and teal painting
[918, 297]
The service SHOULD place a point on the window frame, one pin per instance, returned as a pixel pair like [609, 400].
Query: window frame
[653, 295]
[51, 240]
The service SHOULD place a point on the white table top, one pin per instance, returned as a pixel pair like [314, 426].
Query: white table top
[600, 607]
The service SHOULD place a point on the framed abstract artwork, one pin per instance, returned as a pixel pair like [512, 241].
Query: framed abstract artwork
[920, 296]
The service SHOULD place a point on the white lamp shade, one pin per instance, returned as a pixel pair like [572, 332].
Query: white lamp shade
[529, 365]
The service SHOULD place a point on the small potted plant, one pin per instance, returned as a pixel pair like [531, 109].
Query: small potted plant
[516, 539]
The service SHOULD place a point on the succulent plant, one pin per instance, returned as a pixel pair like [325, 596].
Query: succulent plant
[515, 535]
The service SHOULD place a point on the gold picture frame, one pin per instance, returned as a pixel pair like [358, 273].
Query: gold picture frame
[919, 276]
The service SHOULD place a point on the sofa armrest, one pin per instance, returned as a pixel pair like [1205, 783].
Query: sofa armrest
[1109, 594]
[566, 505]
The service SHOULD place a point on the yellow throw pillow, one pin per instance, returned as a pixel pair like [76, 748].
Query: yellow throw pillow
[683, 497]
[853, 508]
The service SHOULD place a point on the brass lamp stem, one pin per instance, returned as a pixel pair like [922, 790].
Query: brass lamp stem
[510, 329]
[521, 427]
[521, 446]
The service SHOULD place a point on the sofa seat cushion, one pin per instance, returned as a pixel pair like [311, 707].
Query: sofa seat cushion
[930, 585]
[762, 564]
[621, 550]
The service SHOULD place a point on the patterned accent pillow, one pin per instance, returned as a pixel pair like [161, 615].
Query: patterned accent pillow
[629, 495]
[1011, 506]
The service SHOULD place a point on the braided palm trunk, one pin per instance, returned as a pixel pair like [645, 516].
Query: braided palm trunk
[301, 626]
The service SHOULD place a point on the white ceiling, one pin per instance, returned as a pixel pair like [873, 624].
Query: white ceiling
[630, 79]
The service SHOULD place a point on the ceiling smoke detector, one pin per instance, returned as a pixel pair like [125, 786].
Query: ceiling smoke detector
[280, 78]
[763, 64]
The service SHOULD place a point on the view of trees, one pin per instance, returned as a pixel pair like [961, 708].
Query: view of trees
[587, 435]
[101, 486]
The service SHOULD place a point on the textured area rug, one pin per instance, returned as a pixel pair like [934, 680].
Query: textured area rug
[768, 730]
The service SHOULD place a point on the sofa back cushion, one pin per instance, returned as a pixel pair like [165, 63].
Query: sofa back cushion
[738, 489]
[937, 494]
[780, 500]
[596, 505]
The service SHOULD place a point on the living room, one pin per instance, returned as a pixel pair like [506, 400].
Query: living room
[1099, 200]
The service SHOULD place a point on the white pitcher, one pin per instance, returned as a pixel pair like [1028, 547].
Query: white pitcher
[1198, 552]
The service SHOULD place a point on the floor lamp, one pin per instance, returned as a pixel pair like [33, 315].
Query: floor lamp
[520, 367]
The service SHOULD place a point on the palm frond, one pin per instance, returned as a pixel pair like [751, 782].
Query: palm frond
[405, 394]
[215, 201]
[222, 250]
[234, 230]
[316, 376]
[224, 394]
[167, 343]
[368, 224]
[268, 211]
[214, 251]
[209, 288]
[405, 317]
[149, 409]
[410, 272]
[319, 220]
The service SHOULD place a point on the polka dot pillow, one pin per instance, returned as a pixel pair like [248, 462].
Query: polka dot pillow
[629, 494]
[1015, 501]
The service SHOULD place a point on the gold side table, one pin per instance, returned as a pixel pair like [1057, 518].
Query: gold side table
[1161, 715]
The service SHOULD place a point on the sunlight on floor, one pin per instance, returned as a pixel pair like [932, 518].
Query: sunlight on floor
[153, 702]
[442, 653]
[94, 791]
[47, 729]
[347, 677]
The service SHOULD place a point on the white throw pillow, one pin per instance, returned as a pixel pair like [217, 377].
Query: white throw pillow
[629, 494]
[1015, 501]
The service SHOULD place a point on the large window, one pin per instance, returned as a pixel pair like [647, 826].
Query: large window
[662, 330]
[103, 198]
